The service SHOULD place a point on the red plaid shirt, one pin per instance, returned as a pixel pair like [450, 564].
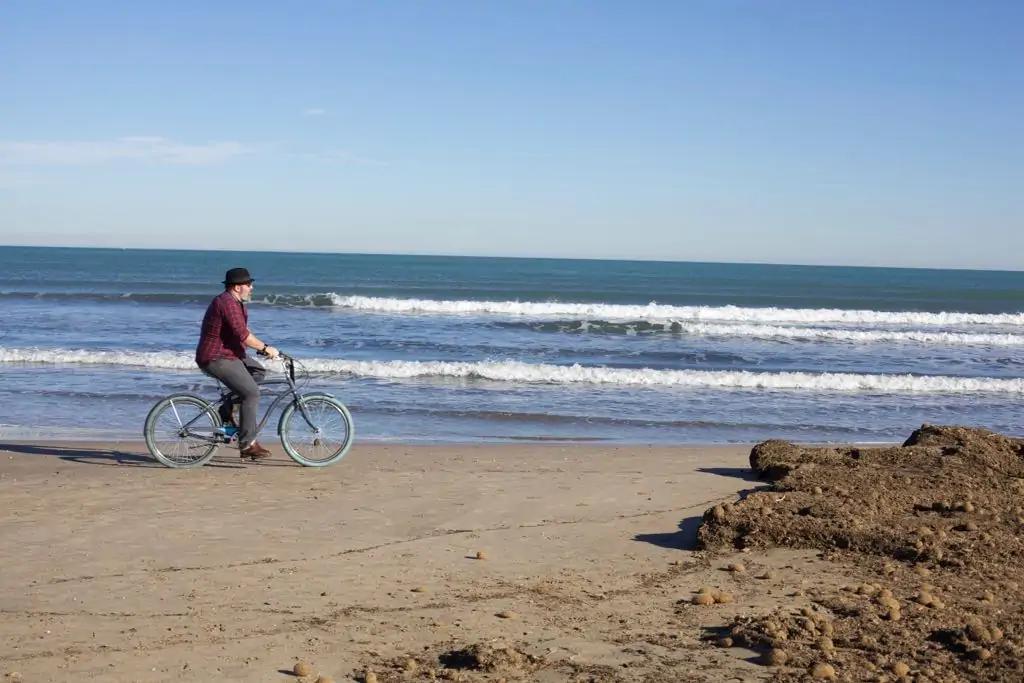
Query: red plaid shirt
[225, 327]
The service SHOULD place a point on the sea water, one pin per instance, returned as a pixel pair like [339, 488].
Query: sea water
[435, 349]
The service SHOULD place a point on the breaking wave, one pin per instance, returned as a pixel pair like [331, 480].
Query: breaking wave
[543, 373]
[663, 312]
[574, 312]
[769, 332]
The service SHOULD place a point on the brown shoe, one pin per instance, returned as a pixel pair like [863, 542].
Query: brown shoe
[254, 451]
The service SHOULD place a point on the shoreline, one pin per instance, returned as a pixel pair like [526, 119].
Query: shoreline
[135, 442]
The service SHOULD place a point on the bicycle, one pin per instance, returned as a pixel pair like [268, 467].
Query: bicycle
[184, 430]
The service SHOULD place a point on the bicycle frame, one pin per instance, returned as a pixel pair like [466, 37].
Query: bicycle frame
[292, 391]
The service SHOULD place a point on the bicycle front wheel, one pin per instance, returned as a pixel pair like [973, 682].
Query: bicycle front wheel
[181, 431]
[321, 440]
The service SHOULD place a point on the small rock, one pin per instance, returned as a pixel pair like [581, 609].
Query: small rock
[776, 657]
[737, 567]
[481, 555]
[419, 589]
[725, 642]
[900, 669]
[411, 664]
[302, 669]
[823, 670]
[703, 599]
[324, 679]
[370, 677]
[506, 615]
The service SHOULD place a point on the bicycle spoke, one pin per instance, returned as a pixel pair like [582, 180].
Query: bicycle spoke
[180, 432]
[320, 439]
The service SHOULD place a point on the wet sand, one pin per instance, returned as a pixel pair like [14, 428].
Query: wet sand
[119, 569]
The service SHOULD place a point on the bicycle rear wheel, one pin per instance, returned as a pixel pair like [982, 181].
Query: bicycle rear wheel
[324, 438]
[181, 431]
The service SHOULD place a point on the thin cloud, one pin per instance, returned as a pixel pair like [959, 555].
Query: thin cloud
[140, 149]
[315, 111]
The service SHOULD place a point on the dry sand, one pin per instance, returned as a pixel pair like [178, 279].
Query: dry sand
[118, 569]
[515, 563]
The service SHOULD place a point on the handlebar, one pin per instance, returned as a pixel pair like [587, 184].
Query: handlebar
[289, 362]
[280, 354]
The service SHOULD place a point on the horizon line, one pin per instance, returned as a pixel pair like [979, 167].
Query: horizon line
[516, 257]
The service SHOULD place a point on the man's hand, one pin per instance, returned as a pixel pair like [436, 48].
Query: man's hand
[271, 352]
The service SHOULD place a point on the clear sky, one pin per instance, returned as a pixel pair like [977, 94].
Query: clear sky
[868, 132]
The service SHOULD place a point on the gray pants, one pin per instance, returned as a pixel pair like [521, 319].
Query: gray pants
[237, 377]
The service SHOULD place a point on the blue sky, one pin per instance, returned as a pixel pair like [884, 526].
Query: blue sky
[871, 133]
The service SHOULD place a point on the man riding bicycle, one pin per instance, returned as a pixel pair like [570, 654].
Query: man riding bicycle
[221, 353]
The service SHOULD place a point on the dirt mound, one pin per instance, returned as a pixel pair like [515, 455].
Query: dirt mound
[489, 660]
[936, 524]
[1002, 453]
[487, 657]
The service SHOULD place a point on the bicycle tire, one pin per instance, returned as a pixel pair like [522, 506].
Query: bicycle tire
[324, 444]
[166, 438]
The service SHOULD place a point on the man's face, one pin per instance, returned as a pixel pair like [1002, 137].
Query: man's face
[244, 291]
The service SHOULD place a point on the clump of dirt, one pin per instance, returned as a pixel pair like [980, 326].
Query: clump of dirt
[935, 525]
[486, 657]
[496, 659]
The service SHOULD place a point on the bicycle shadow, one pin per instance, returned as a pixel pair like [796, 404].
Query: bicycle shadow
[95, 456]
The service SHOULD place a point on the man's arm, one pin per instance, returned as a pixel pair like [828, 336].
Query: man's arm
[253, 342]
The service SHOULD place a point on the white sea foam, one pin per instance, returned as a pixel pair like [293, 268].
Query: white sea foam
[542, 373]
[660, 312]
[860, 336]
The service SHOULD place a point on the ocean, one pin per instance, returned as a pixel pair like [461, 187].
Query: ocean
[459, 349]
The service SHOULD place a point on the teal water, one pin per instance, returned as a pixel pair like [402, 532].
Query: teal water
[452, 348]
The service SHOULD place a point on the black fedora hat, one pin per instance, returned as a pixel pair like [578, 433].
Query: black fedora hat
[237, 276]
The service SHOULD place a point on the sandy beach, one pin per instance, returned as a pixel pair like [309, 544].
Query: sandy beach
[522, 562]
[119, 569]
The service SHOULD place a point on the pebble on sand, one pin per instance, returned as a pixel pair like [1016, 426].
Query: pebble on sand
[419, 589]
[324, 679]
[776, 657]
[302, 669]
[723, 598]
[370, 677]
[506, 615]
[737, 567]
[823, 670]
[481, 555]
[900, 669]
[703, 599]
